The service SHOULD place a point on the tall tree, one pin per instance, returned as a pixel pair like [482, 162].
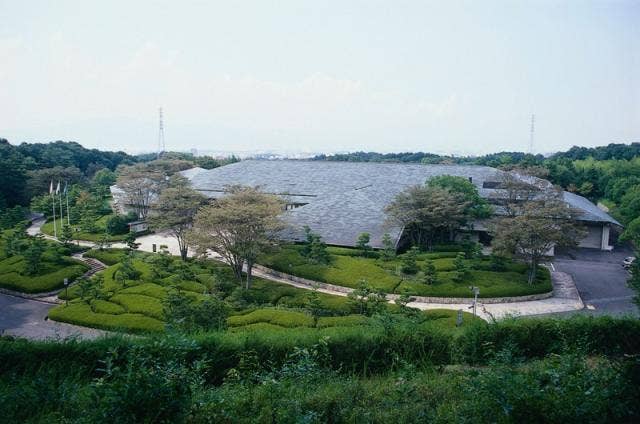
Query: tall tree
[426, 212]
[141, 185]
[477, 206]
[539, 226]
[238, 227]
[175, 209]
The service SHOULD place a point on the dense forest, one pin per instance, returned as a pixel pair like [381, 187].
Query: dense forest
[27, 169]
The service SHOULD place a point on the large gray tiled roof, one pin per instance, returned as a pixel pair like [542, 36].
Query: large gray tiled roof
[343, 199]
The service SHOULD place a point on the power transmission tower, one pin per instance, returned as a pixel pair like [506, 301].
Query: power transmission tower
[531, 133]
[161, 145]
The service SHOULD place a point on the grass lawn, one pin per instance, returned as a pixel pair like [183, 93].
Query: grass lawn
[106, 256]
[78, 234]
[347, 269]
[137, 307]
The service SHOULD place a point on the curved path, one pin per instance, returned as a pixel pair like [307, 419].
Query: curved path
[28, 318]
[565, 297]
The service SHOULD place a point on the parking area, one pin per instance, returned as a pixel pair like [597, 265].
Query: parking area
[600, 278]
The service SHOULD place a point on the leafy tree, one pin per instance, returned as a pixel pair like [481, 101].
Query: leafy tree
[429, 275]
[477, 207]
[426, 213]
[239, 227]
[461, 267]
[126, 271]
[182, 313]
[541, 225]
[15, 242]
[33, 255]
[104, 242]
[471, 249]
[388, 251]
[66, 235]
[141, 185]
[363, 244]
[314, 305]
[9, 217]
[409, 264]
[40, 179]
[13, 174]
[315, 250]
[175, 210]
[119, 224]
[629, 208]
[634, 280]
[104, 177]
[515, 191]
[403, 301]
[130, 241]
[85, 287]
[366, 301]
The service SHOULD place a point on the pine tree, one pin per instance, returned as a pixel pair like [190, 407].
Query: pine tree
[429, 272]
[409, 265]
[388, 251]
[66, 236]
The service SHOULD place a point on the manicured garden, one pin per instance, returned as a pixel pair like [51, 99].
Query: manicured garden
[79, 234]
[347, 267]
[138, 304]
[52, 265]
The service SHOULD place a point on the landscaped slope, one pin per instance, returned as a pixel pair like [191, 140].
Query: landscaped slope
[347, 269]
[137, 305]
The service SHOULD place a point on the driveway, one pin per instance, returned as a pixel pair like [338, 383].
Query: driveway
[26, 318]
[600, 278]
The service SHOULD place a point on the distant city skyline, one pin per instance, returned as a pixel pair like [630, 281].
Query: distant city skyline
[448, 77]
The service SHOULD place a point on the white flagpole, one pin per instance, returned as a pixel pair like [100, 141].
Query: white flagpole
[53, 205]
[66, 192]
[61, 214]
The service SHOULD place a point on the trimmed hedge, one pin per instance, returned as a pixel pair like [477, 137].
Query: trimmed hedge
[106, 256]
[81, 314]
[349, 348]
[347, 269]
[273, 316]
[140, 304]
[51, 278]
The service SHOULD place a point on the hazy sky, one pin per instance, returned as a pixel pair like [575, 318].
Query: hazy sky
[443, 76]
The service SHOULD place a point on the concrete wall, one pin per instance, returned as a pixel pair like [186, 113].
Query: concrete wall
[593, 239]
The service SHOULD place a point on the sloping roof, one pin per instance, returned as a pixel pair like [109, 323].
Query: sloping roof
[589, 211]
[344, 199]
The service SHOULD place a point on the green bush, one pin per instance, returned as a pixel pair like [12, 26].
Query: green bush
[344, 321]
[139, 304]
[81, 314]
[273, 316]
[105, 307]
[106, 256]
[346, 269]
[50, 278]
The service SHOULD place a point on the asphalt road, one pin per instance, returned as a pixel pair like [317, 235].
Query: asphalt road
[600, 278]
[26, 318]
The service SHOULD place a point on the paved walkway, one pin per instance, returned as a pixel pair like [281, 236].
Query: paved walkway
[27, 318]
[565, 299]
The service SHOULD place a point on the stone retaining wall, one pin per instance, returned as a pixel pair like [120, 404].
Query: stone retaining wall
[423, 299]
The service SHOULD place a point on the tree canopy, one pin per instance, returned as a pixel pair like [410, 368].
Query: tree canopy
[239, 227]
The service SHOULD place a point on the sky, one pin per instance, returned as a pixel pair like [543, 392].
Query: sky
[456, 77]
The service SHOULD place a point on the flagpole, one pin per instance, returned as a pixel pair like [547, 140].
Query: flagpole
[53, 207]
[61, 214]
[66, 192]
